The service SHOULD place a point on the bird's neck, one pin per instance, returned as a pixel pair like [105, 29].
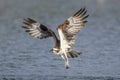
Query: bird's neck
[56, 41]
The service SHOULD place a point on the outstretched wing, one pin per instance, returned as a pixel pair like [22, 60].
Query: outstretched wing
[36, 29]
[71, 27]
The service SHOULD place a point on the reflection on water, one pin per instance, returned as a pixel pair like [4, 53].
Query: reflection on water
[23, 57]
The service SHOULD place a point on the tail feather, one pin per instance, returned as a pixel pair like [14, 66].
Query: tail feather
[73, 54]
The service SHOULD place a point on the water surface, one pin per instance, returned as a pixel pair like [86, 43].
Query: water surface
[23, 57]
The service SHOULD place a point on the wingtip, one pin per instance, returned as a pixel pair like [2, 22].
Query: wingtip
[82, 11]
[25, 19]
[25, 27]
[28, 20]
[85, 17]
[85, 21]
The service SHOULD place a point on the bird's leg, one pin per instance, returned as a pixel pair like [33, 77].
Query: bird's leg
[64, 56]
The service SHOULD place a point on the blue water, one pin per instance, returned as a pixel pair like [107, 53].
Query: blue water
[25, 58]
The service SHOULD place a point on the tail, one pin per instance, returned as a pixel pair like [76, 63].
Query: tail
[73, 54]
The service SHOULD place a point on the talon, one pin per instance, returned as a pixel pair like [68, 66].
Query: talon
[67, 66]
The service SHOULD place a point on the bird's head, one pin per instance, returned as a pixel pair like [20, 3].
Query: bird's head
[55, 50]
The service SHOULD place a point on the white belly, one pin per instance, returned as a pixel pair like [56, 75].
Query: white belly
[63, 42]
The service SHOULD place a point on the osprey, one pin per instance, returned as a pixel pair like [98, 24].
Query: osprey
[67, 32]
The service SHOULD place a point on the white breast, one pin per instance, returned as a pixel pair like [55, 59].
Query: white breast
[63, 42]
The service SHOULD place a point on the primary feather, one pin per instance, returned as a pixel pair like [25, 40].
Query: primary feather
[67, 32]
[36, 29]
[69, 29]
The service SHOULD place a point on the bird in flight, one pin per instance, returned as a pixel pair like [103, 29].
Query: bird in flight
[67, 32]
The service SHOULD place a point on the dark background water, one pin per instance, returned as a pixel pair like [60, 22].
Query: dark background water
[25, 58]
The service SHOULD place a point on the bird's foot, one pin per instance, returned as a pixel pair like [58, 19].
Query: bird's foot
[67, 66]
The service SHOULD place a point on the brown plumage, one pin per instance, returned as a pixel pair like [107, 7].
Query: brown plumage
[67, 32]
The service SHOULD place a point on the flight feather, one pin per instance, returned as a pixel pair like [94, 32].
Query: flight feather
[71, 27]
[36, 29]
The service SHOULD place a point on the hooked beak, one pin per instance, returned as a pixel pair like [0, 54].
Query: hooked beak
[51, 50]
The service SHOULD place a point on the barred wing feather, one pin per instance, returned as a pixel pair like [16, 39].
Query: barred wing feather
[36, 29]
[76, 22]
[72, 26]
